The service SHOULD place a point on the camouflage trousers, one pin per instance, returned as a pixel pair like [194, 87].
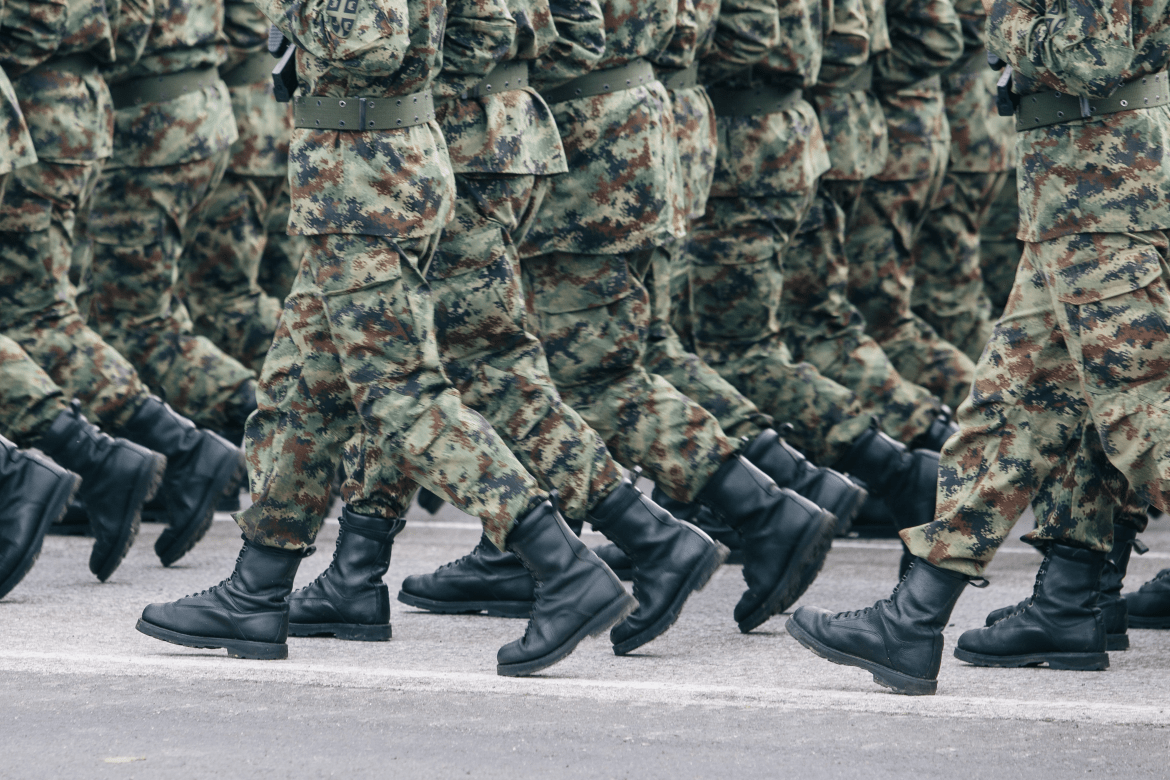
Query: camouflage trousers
[822, 327]
[356, 352]
[1084, 340]
[496, 364]
[29, 399]
[949, 293]
[736, 257]
[139, 225]
[221, 265]
[38, 308]
[1000, 250]
[592, 313]
[881, 283]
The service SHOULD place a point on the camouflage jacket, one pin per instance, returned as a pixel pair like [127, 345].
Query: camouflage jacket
[395, 183]
[1108, 174]
[264, 126]
[926, 39]
[620, 194]
[512, 132]
[16, 150]
[981, 139]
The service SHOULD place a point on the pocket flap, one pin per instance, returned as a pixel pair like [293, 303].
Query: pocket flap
[1103, 278]
[587, 282]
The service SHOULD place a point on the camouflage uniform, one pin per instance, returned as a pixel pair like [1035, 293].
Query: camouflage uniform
[948, 283]
[999, 249]
[925, 39]
[221, 264]
[502, 147]
[29, 400]
[70, 116]
[821, 325]
[356, 346]
[168, 156]
[1084, 337]
[16, 148]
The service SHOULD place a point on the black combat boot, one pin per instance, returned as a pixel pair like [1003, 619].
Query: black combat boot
[1112, 605]
[906, 479]
[1149, 605]
[788, 468]
[576, 594]
[786, 537]
[34, 493]
[246, 614]
[898, 640]
[617, 561]
[118, 478]
[201, 466]
[484, 580]
[671, 560]
[934, 437]
[1060, 624]
[429, 501]
[349, 599]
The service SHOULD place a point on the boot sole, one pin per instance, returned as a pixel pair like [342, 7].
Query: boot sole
[52, 512]
[236, 648]
[144, 490]
[504, 609]
[1149, 622]
[198, 528]
[1117, 641]
[1082, 662]
[613, 613]
[698, 580]
[896, 681]
[355, 632]
[806, 563]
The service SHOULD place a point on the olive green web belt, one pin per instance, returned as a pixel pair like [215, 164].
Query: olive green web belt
[1040, 109]
[638, 73]
[504, 77]
[675, 79]
[755, 101]
[158, 89]
[359, 113]
[256, 67]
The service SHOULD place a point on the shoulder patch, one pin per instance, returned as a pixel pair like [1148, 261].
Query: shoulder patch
[342, 14]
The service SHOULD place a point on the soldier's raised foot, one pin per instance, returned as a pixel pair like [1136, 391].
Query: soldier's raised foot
[576, 594]
[485, 580]
[349, 600]
[34, 493]
[898, 640]
[670, 560]
[906, 479]
[118, 478]
[786, 537]
[1060, 625]
[246, 614]
[201, 466]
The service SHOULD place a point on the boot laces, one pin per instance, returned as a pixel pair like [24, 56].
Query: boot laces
[227, 579]
[336, 549]
[856, 613]
[1161, 576]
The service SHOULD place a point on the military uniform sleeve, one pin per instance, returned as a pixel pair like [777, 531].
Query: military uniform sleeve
[579, 46]
[479, 34]
[926, 38]
[246, 30]
[847, 44]
[371, 36]
[132, 28]
[30, 32]
[679, 50]
[1082, 47]
[744, 34]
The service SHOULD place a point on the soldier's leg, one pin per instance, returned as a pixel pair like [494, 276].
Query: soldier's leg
[999, 248]
[881, 283]
[138, 222]
[220, 265]
[824, 328]
[282, 253]
[29, 400]
[949, 292]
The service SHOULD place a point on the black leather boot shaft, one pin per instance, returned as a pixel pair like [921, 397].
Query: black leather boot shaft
[576, 595]
[201, 467]
[899, 640]
[118, 478]
[907, 480]
[786, 537]
[1060, 624]
[789, 468]
[349, 600]
[671, 560]
[34, 493]
[246, 614]
[942, 428]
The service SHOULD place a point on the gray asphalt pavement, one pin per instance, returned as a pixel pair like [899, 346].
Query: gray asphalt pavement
[82, 694]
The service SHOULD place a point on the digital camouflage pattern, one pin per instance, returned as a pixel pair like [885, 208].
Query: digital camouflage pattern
[17, 148]
[1082, 341]
[999, 249]
[29, 400]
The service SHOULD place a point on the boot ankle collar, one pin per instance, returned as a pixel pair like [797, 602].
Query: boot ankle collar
[63, 428]
[377, 529]
[614, 504]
